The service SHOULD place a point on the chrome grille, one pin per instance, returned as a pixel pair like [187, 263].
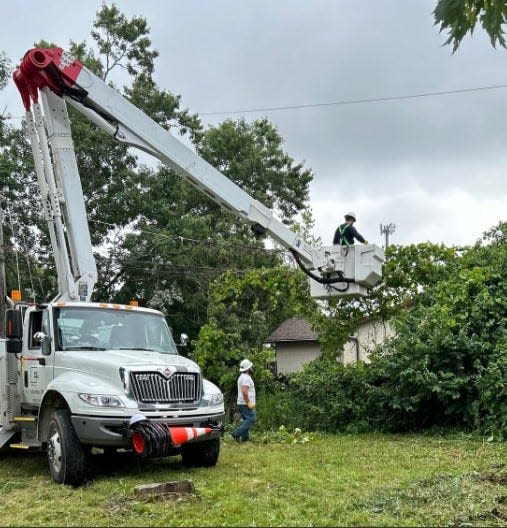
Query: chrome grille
[152, 387]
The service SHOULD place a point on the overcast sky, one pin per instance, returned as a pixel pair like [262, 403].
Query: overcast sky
[434, 166]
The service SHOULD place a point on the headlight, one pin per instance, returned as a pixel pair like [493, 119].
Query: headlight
[213, 398]
[101, 400]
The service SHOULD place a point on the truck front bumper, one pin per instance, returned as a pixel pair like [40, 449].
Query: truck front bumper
[103, 431]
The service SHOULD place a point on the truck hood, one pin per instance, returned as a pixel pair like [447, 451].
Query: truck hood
[106, 364]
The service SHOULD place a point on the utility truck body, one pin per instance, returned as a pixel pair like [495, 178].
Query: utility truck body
[76, 374]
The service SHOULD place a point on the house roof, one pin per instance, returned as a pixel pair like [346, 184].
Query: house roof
[294, 329]
[299, 329]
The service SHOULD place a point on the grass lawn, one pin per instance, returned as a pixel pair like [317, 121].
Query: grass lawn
[393, 480]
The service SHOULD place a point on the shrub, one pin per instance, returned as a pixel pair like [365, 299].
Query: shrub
[328, 396]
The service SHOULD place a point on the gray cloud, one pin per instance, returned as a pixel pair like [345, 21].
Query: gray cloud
[435, 166]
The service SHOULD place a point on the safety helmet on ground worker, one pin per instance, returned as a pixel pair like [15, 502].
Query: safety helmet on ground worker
[245, 365]
[352, 215]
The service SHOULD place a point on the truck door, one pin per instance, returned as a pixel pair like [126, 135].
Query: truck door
[37, 360]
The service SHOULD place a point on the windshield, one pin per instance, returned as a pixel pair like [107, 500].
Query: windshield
[103, 329]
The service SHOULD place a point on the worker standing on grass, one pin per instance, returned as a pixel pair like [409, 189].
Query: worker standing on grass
[346, 233]
[246, 401]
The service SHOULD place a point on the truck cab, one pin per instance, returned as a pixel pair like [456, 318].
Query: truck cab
[86, 369]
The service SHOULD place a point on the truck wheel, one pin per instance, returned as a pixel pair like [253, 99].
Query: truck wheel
[201, 454]
[66, 455]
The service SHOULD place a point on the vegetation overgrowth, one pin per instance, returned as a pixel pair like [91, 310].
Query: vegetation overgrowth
[174, 249]
[445, 367]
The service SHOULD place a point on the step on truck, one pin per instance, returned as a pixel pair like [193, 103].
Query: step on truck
[76, 374]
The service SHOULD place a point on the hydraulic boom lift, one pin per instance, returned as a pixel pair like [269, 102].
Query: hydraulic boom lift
[75, 374]
[61, 78]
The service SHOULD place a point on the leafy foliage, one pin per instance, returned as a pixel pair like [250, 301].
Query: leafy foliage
[157, 238]
[251, 155]
[243, 311]
[4, 69]
[329, 396]
[430, 373]
[460, 17]
[123, 42]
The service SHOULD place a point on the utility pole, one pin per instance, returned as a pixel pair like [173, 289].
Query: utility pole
[387, 230]
[3, 286]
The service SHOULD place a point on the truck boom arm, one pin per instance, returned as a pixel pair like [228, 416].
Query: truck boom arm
[62, 77]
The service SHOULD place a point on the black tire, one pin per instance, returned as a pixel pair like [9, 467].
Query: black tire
[201, 454]
[66, 455]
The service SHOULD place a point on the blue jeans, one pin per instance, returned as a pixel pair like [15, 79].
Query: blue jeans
[249, 417]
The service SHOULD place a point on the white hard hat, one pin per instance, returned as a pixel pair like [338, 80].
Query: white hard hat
[245, 365]
[353, 215]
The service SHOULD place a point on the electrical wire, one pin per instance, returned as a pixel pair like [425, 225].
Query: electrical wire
[182, 270]
[354, 101]
[209, 243]
[343, 102]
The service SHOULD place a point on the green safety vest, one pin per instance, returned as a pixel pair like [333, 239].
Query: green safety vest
[342, 228]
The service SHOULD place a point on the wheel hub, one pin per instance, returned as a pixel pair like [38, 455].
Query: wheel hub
[55, 451]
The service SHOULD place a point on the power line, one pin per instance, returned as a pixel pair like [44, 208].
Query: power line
[228, 243]
[355, 101]
[343, 102]
[174, 269]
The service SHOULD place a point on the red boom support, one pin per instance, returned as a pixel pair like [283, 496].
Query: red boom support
[42, 67]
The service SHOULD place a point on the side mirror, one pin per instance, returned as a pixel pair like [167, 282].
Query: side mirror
[13, 324]
[183, 340]
[13, 331]
[45, 342]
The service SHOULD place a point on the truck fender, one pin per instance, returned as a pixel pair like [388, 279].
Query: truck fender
[51, 401]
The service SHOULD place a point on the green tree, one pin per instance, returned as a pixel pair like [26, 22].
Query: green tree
[122, 42]
[251, 155]
[190, 239]
[243, 310]
[459, 17]
[449, 346]
[4, 69]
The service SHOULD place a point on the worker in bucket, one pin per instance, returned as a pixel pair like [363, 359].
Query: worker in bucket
[346, 232]
[246, 401]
